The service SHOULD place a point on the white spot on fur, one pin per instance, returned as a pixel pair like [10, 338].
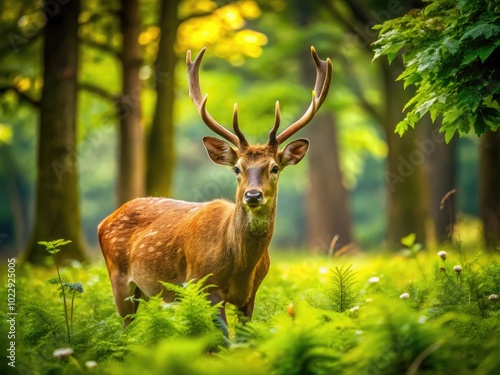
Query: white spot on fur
[122, 239]
[158, 253]
[159, 243]
[141, 246]
[151, 249]
[151, 233]
[125, 218]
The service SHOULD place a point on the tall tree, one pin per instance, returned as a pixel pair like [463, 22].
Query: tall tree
[160, 150]
[441, 174]
[407, 190]
[407, 209]
[452, 62]
[328, 212]
[489, 187]
[57, 208]
[131, 135]
[327, 202]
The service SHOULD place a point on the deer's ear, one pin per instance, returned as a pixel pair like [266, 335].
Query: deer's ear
[293, 152]
[220, 152]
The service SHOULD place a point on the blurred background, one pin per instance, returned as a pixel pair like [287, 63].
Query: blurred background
[94, 111]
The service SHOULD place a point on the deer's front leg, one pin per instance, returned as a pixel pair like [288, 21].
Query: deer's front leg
[214, 299]
[246, 310]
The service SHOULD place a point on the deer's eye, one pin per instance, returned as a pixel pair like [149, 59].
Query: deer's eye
[275, 169]
[236, 170]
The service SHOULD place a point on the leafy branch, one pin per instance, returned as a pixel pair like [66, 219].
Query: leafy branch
[450, 51]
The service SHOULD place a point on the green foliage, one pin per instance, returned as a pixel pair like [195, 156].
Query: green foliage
[417, 316]
[52, 247]
[451, 51]
[190, 315]
[343, 294]
[192, 309]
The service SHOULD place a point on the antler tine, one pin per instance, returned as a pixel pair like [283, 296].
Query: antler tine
[241, 137]
[323, 78]
[277, 119]
[200, 102]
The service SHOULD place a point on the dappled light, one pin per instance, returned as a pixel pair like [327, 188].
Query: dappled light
[222, 30]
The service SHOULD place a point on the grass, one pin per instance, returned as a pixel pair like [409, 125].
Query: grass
[448, 323]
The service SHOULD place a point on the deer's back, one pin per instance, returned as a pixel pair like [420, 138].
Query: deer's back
[151, 239]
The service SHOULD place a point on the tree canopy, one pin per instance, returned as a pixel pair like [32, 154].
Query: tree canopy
[451, 51]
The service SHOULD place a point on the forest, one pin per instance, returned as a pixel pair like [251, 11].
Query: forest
[385, 252]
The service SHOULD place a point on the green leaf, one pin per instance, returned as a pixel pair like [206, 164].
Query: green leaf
[484, 29]
[448, 135]
[451, 45]
[424, 107]
[485, 51]
[389, 49]
[52, 246]
[409, 240]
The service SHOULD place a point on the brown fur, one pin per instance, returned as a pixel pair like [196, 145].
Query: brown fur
[152, 239]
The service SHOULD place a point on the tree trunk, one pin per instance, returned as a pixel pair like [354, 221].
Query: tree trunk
[327, 209]
[489, 187]
[160, 150]
[131, 135]
[440, 174]
[57, 208]
[407, 191]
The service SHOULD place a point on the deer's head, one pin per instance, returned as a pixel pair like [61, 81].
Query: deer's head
[257, 167]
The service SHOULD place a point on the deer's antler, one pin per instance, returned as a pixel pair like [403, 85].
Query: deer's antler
[200, 102]
[323, 78]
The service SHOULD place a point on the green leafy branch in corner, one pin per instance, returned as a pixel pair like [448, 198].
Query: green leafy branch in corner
[53, 247]
[450, 51]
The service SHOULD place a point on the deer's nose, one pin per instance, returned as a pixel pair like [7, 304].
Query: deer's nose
[253, 197]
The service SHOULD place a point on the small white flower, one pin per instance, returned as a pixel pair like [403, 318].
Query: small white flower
[323, 270]
[63, 353]
[493, 297]
[442, 254]
[373, 280]
[405, 296]
[422, 319]
[91, 364]
[354, 309]
[457, 269]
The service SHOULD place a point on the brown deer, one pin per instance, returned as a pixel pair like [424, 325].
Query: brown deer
[148, 240]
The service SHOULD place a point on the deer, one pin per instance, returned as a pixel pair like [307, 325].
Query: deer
[153, 239]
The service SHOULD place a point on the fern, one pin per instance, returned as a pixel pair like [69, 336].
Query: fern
[343, 293]
[192, 309]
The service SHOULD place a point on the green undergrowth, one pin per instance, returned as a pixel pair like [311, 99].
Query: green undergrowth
[405, 313]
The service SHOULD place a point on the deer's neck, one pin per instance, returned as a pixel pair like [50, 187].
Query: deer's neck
[253, 230]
